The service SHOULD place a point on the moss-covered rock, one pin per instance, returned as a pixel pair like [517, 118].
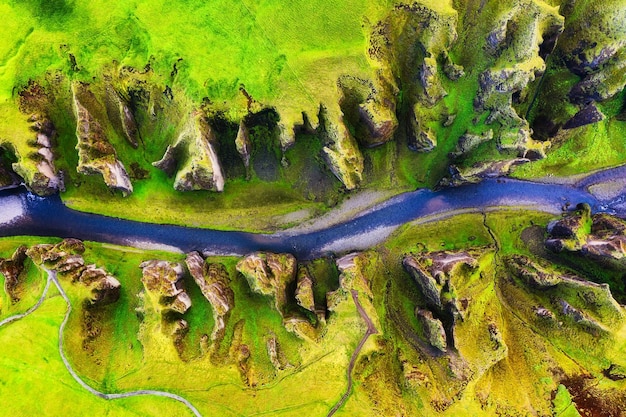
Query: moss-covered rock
[432, 328]
[341, 150]
[12, 269]
[96, 155]
[214, 282]
[269, 274]
[163, 282]
[37, 167]
[193, 155]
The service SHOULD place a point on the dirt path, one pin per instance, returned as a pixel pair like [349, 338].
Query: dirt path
[371, 329]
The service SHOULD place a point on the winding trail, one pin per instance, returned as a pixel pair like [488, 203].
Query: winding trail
[371, 329]
[32, 309]
[52, 278]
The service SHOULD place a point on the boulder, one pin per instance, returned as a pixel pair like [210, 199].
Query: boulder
[163, 281]
[213, 280]
[96, 155]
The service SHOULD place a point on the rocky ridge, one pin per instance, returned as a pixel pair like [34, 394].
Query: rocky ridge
[96, 155]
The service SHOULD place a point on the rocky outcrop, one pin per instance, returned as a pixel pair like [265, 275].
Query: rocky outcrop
[380, 121]
[244, 145]
[410, 44]
[479, 171]
[351, 277]
[12, 269]
[8, 178]
[37, 168]
[579, 317]
[432, 328]
[601, 237]
[469, 141]
[193, 155]
[304, 289]
[419, 138]
[96, 155]
[341, 150]
[122, 117]
[163, 282]
[546, 279]
[66, 258]
[570, 232]
[587, 115]
[214, 282]
[427, 285]
[433, 274]
[593, 47]
[269, 274]
[531, 273]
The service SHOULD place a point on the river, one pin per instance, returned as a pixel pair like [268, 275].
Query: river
[23, 213]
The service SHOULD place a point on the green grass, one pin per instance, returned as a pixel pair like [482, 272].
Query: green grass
[38, 383]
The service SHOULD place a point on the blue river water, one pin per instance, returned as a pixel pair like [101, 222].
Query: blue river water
[50, 217]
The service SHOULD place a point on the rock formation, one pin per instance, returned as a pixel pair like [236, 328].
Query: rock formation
[432, 328]
[37, 168]
[163, 282]
[193, 157]
[12, 268]
[341, 150]
[66, 258]
[577, 298]
[432, 274]
[304, 289]
[244, 146]
[96, 155]
[600, 237]
[269, 274]
[213, 280]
